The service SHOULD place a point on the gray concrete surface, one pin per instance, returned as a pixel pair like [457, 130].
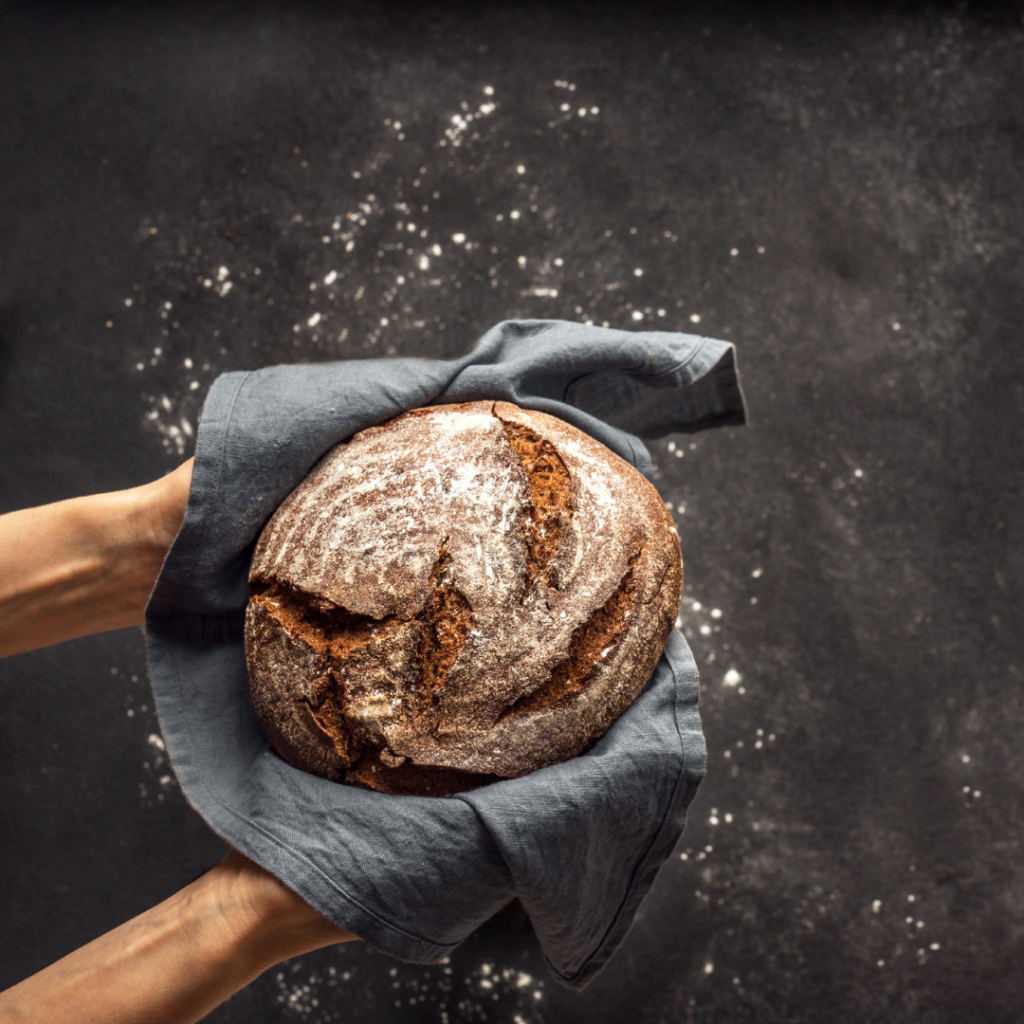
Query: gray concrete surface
[838, 190]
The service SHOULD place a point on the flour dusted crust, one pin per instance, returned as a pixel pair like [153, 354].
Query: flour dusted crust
[465, 593]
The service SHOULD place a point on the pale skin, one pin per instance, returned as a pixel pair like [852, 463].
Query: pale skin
[86, 566]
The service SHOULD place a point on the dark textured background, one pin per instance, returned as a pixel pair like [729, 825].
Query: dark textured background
[837, 189]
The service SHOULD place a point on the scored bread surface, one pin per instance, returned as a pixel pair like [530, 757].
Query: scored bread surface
[465, 593]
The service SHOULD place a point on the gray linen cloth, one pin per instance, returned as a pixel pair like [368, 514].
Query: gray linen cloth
[579, 842]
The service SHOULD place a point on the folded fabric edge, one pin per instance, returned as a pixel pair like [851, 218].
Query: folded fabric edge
[218, 408]
[700, 392]
[724, 379]
[691, 774]
[643, 880]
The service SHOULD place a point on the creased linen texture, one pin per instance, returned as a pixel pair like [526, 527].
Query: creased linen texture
[580, 842]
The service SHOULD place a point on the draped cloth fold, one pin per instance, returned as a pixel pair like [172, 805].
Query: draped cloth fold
[580, 842]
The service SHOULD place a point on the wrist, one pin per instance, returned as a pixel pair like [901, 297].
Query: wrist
[154, 511]
[85, 565]
[270, 921]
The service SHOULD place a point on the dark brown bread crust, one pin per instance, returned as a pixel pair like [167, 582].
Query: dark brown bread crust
[466, 593]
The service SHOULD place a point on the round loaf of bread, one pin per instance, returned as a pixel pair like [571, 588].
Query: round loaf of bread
[464, 594]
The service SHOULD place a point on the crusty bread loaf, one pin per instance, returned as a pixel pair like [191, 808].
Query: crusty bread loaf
[464, 594]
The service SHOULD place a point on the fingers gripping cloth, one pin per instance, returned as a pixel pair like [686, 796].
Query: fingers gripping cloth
[579, 842]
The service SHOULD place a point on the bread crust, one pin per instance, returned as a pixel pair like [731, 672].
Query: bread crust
[471, 588]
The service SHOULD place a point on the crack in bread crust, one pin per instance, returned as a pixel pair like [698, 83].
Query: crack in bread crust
[591, 643]
[327, 628]
[447, 620]
[336, 634]
[550, 512]
[341, 636]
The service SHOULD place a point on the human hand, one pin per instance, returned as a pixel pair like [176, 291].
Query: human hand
[175, 963]
[85, 565]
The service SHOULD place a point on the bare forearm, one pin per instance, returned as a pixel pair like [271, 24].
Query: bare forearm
[176, 962]
[85, 565]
